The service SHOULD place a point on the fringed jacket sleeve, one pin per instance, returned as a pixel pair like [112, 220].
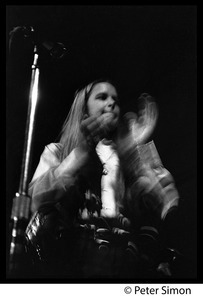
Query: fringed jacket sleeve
[154, 183]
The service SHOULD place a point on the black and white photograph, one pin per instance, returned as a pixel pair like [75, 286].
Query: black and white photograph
[101, 134]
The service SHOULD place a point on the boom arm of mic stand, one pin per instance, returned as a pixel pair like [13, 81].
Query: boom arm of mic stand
[21, 203]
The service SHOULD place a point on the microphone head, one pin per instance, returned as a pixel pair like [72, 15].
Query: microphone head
[58, 50]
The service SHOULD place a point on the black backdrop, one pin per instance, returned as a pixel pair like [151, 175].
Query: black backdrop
[143, 49]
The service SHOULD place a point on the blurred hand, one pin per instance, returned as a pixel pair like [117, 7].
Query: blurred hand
[95, 128]
[142, 126]
[137, 128]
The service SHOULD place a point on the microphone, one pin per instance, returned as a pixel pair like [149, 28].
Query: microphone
[56, 49]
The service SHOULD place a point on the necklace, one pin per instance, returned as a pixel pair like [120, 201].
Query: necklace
[105, 152]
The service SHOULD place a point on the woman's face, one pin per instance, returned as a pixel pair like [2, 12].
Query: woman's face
[104, 100]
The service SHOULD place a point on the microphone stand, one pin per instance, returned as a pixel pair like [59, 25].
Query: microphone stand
[20, 213]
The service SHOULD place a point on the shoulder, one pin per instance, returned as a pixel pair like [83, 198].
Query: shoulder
[51, 151]
[52, 148]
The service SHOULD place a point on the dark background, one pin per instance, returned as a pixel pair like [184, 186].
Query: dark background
[143, 49]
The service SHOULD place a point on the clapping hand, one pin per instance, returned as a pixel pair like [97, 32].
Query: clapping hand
[94, 128]
[137, 128]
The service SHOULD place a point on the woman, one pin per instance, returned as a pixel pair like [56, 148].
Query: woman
[101, 198]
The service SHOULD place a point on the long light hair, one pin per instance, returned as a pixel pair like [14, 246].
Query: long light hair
[71, 135]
